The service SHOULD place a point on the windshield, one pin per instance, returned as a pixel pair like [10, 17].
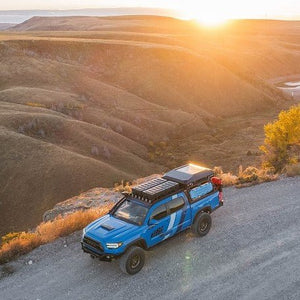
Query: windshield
[131, 211]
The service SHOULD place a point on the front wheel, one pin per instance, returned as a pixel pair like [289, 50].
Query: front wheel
[202, 224]
[133, 260]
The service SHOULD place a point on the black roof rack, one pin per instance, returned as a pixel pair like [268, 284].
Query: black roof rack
[171, 182]
[189, 174]
[160, 190]
[138, 190]
[154, 189]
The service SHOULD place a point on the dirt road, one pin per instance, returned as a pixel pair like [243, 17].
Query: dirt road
[251, 252]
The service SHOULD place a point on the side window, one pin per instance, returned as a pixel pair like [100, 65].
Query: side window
[159, 212]
[201, 190]
[176, 204]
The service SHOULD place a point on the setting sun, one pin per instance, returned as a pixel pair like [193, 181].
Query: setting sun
[205, 13]
[216, 12]
[211, 21]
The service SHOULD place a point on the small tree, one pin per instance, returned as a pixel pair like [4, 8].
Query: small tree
[281, 137]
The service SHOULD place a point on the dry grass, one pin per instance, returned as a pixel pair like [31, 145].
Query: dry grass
[16, 244]
[122, 187]
[293, 170]
[22, 244]
[249, 176]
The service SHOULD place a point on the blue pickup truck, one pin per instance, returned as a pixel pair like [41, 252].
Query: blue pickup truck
[154, 211]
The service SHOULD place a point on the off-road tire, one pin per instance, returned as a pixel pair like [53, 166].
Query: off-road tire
[201, 224]
[133, 260]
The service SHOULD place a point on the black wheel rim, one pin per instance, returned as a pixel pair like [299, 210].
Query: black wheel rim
[203, 225]
[135, 261]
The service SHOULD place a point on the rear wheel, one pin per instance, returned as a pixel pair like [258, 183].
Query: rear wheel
[202, 224]
[133, 260]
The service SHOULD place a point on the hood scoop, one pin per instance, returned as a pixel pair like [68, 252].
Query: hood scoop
[107, 227]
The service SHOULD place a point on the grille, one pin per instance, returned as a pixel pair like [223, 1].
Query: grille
[92, 243]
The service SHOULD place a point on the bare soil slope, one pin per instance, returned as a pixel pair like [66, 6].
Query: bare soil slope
[86, 102]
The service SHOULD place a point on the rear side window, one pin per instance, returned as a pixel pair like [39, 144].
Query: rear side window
[201, 190]
[159, 212]
[176, 204]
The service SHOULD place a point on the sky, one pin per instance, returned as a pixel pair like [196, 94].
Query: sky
[198, 9]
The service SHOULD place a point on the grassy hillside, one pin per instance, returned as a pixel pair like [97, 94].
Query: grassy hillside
[87, 102]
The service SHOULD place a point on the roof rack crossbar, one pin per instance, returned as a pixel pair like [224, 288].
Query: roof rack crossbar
[138, 190]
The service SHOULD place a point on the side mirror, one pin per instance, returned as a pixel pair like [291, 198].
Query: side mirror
[153, 222]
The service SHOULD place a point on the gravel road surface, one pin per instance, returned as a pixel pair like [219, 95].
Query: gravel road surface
[251, 252]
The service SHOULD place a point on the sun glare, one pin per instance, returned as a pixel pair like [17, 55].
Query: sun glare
[211, 21]
[207, 13]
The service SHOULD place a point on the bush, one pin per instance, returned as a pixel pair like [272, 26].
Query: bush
[158, 151]
[252, 175]
[247, 177]
[19, 243]
[122, 187]
[281, 138]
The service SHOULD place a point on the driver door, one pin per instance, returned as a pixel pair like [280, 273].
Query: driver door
[157, 225]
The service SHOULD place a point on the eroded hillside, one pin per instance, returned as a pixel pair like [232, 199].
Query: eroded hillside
[87, 102]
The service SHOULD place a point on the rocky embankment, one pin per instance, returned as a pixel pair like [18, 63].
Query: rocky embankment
[92, 198]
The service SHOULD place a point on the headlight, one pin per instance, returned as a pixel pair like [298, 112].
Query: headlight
[113, 245]
[83, 232]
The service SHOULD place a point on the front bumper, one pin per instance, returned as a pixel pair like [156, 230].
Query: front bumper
[97, 249]
[95, 253]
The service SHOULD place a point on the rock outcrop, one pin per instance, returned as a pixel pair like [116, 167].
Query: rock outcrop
[91, 199]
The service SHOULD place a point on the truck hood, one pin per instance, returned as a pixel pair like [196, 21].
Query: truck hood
[109, 229]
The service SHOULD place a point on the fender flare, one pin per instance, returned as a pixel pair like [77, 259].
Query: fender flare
[139, 242]
[206, 209]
